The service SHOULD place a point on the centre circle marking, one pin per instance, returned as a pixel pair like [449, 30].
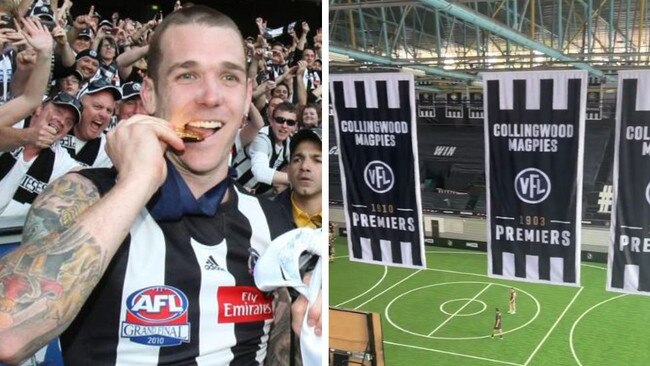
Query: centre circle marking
[442, 310]
[387, 310]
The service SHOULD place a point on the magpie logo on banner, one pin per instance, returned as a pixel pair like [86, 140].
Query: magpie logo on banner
[629, 250]
[534, 132]
[374, 119]
[426, 106]
[476, 106]
[454, 106]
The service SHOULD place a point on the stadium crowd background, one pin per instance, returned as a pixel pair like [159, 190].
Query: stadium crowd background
[101, 89]
[98, 43]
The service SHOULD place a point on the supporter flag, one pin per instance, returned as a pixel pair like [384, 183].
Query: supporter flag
[629, 250]
[534, 133]
[374, 118]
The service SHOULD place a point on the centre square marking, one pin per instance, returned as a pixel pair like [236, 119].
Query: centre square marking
[387, 310]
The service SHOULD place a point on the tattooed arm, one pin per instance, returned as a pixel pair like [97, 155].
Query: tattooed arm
[69, 238]
[40, 295]
[279, 346]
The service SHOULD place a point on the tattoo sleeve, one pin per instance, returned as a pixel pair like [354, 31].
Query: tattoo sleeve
[45, 281]
[279, 345]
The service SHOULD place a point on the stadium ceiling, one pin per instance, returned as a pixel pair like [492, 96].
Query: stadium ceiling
[447, 44]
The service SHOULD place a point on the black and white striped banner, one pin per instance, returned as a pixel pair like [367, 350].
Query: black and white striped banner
[629, 250]
[374, 118]
[534, 133]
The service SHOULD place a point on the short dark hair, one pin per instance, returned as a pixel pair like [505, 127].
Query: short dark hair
[110, 40]
[284, 107]
[282, 84]
[196, 14]
[312, 106]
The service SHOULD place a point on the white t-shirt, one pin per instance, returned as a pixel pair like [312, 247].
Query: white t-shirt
[63, 163]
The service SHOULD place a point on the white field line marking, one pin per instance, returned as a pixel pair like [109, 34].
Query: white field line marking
[452, 353]
[368, 290]
[553, 327]
[388, 289]
[460, 309]
[592, 266]
[474, 274]
[454, 252]
[480, 275]
[573, 351]
[455, 272]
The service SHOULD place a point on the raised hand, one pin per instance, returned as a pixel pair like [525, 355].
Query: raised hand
[85, 21]
[36, 35]
[60, 36]
[269, 85]
[26, 59]
[261, 24]
[90, 17]
[6, 35]
[42, 136]
[318, 38]
[301, 68]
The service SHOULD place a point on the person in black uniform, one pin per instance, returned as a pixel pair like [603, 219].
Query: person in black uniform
[152, 262]
[498, 326]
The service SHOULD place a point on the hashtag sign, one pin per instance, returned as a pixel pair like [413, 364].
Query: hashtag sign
[605, 198]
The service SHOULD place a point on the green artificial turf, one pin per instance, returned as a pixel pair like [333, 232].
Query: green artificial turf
[444, 315]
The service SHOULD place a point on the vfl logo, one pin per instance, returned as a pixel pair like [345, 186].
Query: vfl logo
[379, 176]
[647, 193]
[532, 185]
[157, 316]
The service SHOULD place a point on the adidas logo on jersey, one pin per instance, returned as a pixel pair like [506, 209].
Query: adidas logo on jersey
[212, 265]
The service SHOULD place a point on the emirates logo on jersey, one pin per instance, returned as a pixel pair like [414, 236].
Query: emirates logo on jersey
[157, 316]
[243, 304]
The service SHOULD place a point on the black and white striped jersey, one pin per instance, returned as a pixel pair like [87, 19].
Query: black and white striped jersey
[182, 292]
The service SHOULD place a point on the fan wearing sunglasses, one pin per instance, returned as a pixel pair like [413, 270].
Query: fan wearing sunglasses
[260, 166]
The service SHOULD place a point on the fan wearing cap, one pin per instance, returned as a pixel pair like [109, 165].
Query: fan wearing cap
[87, 63]
[27, 170]
[82, 32]
[259, 166]
[45, 14]
[303, 199]
[37, 74]
[16, 67]
[86, 141]
[70, 82]
[129, 105]
[77, 69]
[84, 40]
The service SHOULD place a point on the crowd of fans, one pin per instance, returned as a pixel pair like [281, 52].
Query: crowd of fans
[67, 81]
